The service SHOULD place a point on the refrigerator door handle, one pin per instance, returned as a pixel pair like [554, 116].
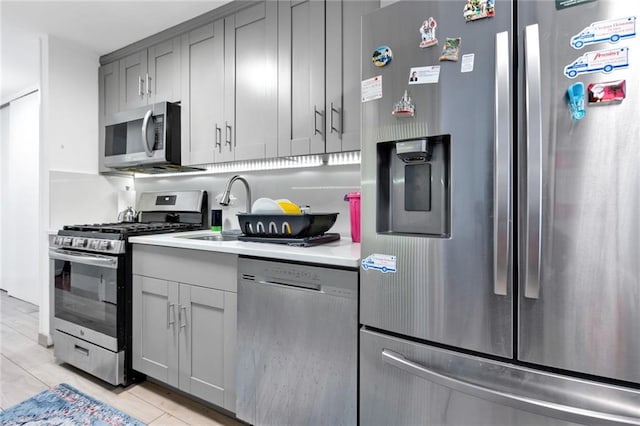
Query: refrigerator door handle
[533, 103]
[521, 402]
[502, 166]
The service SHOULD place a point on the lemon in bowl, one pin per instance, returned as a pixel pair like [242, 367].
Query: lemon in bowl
[288, 207]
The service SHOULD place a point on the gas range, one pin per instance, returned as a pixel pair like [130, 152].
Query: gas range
[91, 279]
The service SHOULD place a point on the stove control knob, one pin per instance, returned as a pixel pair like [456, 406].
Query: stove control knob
[57, 241]
[67, 241]
[94, 245]
[80, 242]
[105, 245]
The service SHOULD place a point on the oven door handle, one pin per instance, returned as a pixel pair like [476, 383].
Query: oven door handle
[84, 258]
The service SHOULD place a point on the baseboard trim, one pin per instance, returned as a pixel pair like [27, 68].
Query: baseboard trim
[45, 340]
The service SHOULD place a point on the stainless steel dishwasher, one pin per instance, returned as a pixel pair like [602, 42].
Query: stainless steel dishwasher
[297, 344]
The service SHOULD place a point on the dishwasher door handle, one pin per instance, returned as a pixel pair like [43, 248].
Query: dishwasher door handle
[300, 286]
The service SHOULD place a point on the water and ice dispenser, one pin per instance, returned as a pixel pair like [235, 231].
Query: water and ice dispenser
[414, 187]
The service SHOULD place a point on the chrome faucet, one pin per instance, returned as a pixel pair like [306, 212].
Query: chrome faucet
[226, 195]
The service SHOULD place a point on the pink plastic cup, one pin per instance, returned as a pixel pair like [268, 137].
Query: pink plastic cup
[354, 213]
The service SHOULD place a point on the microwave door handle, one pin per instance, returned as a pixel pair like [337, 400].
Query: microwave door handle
[84, 258]
[145, 141]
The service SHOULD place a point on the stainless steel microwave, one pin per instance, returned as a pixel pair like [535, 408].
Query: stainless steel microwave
[144, 137]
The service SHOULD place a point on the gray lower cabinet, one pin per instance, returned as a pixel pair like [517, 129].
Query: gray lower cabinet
[319, 75]
[184, 320]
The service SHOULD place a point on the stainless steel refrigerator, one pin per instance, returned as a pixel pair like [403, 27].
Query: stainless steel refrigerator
[500, 280]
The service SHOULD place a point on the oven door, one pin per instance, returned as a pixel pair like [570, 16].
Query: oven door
[88, 296]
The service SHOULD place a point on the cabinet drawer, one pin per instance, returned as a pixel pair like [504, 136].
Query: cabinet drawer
[197, 267]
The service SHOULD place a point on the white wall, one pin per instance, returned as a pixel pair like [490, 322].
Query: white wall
[4, 141]
[98, 203]
[70, 106]
[20, 202]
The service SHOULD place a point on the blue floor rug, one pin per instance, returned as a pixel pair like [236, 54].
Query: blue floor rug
[64, 405]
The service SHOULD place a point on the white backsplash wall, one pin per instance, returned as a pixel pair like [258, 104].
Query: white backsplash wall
[321, 188]
[77, 198]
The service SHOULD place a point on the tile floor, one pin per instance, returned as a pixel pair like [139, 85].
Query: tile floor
[27, 368]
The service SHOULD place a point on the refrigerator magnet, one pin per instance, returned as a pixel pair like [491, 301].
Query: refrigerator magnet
[563, 4]
[598, 61]
[424, 75]
[404, 107]
[611, 30]
[467, 62]
[575, 94]
[478, 9]
[382, 56]
[371, 89]
[450, 49]
[379, 262]
[611, 92]
[428, 33]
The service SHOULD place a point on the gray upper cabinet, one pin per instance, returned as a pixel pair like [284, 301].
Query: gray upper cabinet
[229, 105]
[109, 89]
[251, 82]
[301, 60]
[342, 106]
[151, 75]
[319, 75]
[203, 94]
[269, 79]
[109, 101]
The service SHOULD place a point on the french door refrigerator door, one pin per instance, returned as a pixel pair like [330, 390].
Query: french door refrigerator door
[451, 288]
[408, 383]
[579, 308]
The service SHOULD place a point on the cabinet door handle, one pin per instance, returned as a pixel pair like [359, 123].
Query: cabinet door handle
[170, 310]
[315, 120]
[219, 138]
[227, 140]
[332, 126]
[148, 84]
[183, 316]
[140, 83]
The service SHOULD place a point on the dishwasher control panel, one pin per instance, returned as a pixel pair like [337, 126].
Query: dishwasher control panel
[336, 282]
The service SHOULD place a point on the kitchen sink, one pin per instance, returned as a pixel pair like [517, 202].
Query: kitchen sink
[215, 237]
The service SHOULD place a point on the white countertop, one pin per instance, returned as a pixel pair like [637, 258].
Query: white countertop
[338, 253]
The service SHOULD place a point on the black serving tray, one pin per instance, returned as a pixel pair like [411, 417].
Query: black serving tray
[286, 225]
